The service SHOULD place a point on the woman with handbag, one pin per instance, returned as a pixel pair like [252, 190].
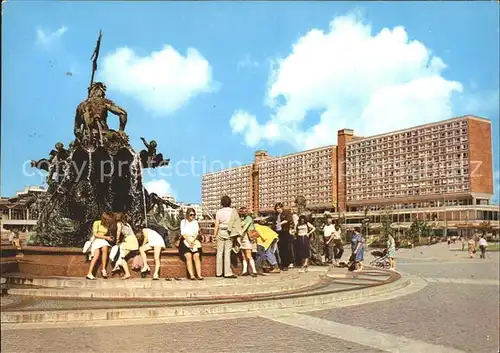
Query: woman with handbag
[190, 245]
[248, 242]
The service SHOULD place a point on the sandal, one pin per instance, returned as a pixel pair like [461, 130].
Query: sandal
[199, 278]
[90, 278]
[104, 274]
[126, 277]
[145, 272]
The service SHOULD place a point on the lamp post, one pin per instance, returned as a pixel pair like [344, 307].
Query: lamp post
[445, 217]
[366, 222]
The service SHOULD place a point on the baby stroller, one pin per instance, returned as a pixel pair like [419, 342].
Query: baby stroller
[381, 259]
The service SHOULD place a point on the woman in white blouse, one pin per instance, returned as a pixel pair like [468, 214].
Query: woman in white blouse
[190, 245]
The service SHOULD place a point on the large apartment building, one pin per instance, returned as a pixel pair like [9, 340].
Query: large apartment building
[447, 163]
[234, 182]
[312, 174]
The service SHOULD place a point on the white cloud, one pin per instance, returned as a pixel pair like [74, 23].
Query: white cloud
[246, 62]
[162, 82]
[349, 77]
[46, 38]
[160, 187]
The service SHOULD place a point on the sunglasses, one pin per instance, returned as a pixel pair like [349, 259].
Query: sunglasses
[191, 215]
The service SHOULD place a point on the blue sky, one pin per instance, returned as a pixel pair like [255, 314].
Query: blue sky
[212, 82]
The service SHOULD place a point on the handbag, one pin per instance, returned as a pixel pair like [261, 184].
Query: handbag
[137, 262]
[253, 234]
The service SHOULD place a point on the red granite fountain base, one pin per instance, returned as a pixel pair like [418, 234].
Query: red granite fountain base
[71, 262]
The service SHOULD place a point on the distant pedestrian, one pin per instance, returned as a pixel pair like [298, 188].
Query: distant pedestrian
[338, 247]
[328, 240]
[483, 244]
[391, 251]
[471, 246]
[357, 248]
[449, 242]
[14, 238]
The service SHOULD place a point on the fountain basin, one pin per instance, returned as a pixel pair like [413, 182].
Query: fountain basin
[71, 262]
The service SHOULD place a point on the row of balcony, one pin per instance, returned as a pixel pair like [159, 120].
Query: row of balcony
[387, 179]
[397, 194]
[455, 152]
[411, 145]
[458, 126]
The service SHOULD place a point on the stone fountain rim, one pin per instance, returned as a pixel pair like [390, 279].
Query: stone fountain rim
[207, 249]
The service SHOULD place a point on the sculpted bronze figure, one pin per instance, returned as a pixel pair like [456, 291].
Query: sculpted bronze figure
[99, 173]
[53, 164]
[92, 115]
[149, 157]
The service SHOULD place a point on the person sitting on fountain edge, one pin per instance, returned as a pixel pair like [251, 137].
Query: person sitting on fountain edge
[103, 232]
[149, 157]
[152, 240]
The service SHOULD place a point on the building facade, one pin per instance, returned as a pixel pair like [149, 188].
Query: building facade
[448, 162]
[234, 182]
[15, 212]
[183, 207]
[312, 174]
[443, 168]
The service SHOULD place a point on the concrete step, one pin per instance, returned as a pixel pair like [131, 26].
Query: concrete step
[77, 282]
[95, 315]
[158, 290]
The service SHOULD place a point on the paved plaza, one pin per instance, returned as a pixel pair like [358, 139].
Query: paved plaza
[451, 305]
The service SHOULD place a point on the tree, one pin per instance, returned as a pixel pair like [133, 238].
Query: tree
[419, 229]
[485, 227]
[365, 222]
[386, 221]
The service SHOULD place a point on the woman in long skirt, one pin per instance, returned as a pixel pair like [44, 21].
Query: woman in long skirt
[302, 242]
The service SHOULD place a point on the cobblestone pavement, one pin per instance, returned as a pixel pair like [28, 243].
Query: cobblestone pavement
[461, 316]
